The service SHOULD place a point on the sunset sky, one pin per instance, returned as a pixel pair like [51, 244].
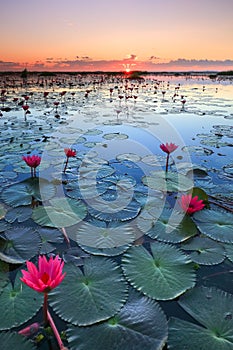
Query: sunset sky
[152, 35]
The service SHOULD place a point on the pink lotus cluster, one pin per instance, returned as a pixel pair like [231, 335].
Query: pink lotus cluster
[32, 162]
[191, 204]
[168, 147]
[48, 275]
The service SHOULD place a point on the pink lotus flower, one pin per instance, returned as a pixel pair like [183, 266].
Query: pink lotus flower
[191, 205]
[168, 148]
[47, 277]
[70, 152]
[33, 162]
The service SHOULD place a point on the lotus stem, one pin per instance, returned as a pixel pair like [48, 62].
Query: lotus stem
[45, 309]
[167, 161]
[66, 236]
[55, 331]
[65, 167]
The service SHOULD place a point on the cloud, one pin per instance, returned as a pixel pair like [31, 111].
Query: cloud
[86, 63]
[153, 58]
[130, 57]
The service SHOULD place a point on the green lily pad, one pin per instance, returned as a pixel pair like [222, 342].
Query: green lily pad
[140, 324]
[13, 340]
[115, 136]
[215, 224]
[212, 309]
[23, 192]
[19, 245]
[229, 251]
[171, 226]
[93, 294]
[93, 132]
[164, 274]
[62, 212]
[86, 189]
[128, 156]
[49, 238]
[114, 210]
[171, 182]
[98, 234]
[205, 251]
[19, 214]
[18, 304]
[105, 251]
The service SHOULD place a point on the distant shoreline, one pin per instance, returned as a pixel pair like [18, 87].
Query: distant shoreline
[174, 73]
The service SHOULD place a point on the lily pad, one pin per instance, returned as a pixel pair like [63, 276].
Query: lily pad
[128, 156]
[49, 238]
[171, 226]
[141, 324]
[93, 294]
[19, 245]
[115, 136]
[13, 340]
[205, 251]
[18, 304]
[19, 214]
[215, 224]
[171, 182]
[212, 309]
[229, 251]
[105, 251]
[164, 274]
[114, 210]
[23, 192]
[97, 234]
[62, 212]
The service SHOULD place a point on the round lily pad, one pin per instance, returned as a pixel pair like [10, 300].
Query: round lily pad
[22, 193]
[19, 214]
[164, 274]
[98, 234]
[114, 210]
[19, 244]
[18, 304]
[62, 212]
[49, 238]
[170, 181]
[205, 251]
[215, 224]
[93, 294]
[140, 324]
[212, 309]
[171, 226]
